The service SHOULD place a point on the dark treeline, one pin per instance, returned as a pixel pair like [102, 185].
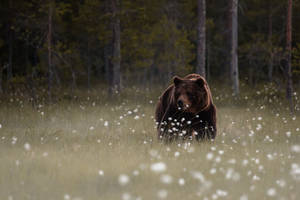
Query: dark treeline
[120, 42]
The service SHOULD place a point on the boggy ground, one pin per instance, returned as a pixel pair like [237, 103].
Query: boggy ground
[91, 148]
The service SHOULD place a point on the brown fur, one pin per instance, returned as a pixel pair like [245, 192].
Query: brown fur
[186, 109]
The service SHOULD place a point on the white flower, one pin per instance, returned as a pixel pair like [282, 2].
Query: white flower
[158, 167]
[281, 182]
[136, 172]
[221, 152]
[209, 156]
[244, 197]
[296, 148]
[271, 192]
[27, 146]
[167, 179]
[212, 171]
[162, 194]
[181, 181]
[126, 196]
[176, 154]
[123, 179]
[259, 118]
[222, 193]
[67, 197]
[106, 123]
[45, 154]
[101, 172]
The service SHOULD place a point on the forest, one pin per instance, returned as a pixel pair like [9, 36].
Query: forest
[71, 43]
[80, 81]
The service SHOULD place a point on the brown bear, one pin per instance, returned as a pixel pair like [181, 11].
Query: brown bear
[186, 110]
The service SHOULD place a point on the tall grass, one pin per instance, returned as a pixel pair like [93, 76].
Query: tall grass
[86, 146]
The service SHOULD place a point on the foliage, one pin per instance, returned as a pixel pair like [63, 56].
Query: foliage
[158, 38]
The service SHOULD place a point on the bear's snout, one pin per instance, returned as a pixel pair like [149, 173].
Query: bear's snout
[180, 103]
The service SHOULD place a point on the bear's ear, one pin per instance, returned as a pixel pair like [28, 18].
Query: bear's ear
[200, 81]
[177, 80]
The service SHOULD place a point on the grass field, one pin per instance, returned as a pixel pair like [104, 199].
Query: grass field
[91, 148]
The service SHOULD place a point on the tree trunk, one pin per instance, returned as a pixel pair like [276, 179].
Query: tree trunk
[289, 86]
[108, 68]
[208, 63]
[234, 74]
[116, 46]
[10, 44]
[201, 38]
[88, 66]
[270, 35]
[73, 80]
[55, 73]
[1, 72]
[9, 67]
[49, 38]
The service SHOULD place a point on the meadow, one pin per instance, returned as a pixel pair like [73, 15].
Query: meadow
[86, 146]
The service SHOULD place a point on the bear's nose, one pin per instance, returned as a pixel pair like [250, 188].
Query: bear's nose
[180, 103]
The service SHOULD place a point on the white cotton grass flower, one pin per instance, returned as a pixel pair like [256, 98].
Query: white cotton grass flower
[106, 123]
[258, 127]
[281, 183]
[244, 197]
[14, 140]
[295, 171]
[27, 146]
[231, 174]
[101, 172]
[136, 172]
[126, 196]
[212, 171]
[166, 179]
[162, 194]
[209, 156]
[221, 152]
[255, 178]
[153, 153]
[221, 193]
[271, 192]
[45, 154]
[181, 181]
[123, 179]
[218, 159]
[67, 197]
[158, 167]
[295, 148]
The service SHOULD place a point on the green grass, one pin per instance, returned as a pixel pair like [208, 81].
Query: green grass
[56, 151]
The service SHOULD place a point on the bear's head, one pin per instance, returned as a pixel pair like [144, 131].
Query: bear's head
[191, 95]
